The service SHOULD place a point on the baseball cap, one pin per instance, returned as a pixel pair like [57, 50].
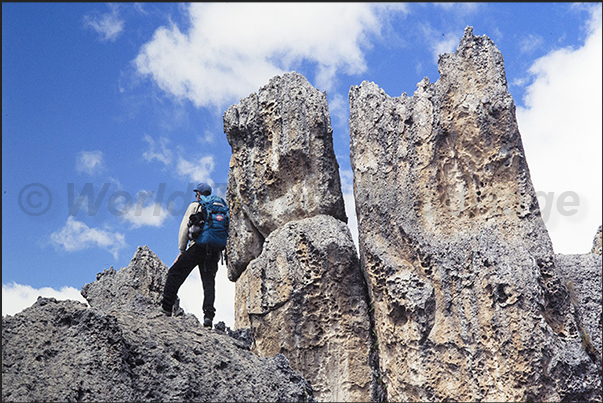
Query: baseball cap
[203, 188]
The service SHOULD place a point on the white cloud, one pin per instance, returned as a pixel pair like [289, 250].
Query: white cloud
[561, 128]
[207, 137]
[108, 25]
[347, 189]
[461, 9]
[16, 297]
[447, 44]
[231, 49]
[90, 162]
[196, 171]
[76, 235]
[442, 39]
[159, 152]
[145, 214]
[339, 109]
[439, 42]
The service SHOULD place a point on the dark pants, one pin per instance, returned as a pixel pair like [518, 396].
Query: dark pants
[207, 260]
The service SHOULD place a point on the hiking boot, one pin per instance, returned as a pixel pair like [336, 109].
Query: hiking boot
[165, 311]
[207, 322]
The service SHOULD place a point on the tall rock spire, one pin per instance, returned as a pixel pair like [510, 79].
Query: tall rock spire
[283, 166]
[468, 304]
[298, 281]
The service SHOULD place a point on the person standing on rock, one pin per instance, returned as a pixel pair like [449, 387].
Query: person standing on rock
[204, 228]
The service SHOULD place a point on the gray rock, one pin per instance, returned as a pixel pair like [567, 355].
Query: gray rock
[582, 276]
[283, 166]
[305, 297]
[467, 301]
[298, 283]
[136, 287]
[597, 242]
[129, 351]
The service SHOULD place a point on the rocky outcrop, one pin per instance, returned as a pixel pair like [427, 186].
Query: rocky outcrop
[468, 302]
[598, 242]
[283, 166]
[298, 282]
[306, 298]
[456, 294]
[122, 349]
[138, 287]
[582, 276]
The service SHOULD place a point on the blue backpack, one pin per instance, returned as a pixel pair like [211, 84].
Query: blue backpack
[215, 228]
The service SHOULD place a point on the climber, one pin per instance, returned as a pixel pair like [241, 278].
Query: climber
[201, 251]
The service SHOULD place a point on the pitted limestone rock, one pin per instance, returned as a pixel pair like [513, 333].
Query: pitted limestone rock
[467, 301]
[283, 166]
[305, 297]
[582, 276]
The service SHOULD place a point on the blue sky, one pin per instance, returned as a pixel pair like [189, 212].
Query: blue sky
[112, 111]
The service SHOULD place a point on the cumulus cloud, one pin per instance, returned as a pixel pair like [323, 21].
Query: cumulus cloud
[444, 38]
[16, 297]
[530, 43]
[144, 213]
[446, 45]
[107, 25]
[76, 235]
[190, 169]
[561, 126]
[90, 162]
[231, 49]
[339, 109]
[197, 171]
[439, 42]
[460, 8]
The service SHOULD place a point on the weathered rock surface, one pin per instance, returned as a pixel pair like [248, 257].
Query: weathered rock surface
[582, 275]
[598, 242]
[135, 288]
[468, 304]
[127, 351]
[457, 294]
[306, 298]
[283, 166]
[299, 286]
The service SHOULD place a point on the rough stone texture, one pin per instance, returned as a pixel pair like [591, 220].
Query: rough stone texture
[468, 304]
[283, 166]
[298, 282]
[582, 276]
[457, 296]
[66, 351]
[598, 242]
[142, 282]
[306, 298]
